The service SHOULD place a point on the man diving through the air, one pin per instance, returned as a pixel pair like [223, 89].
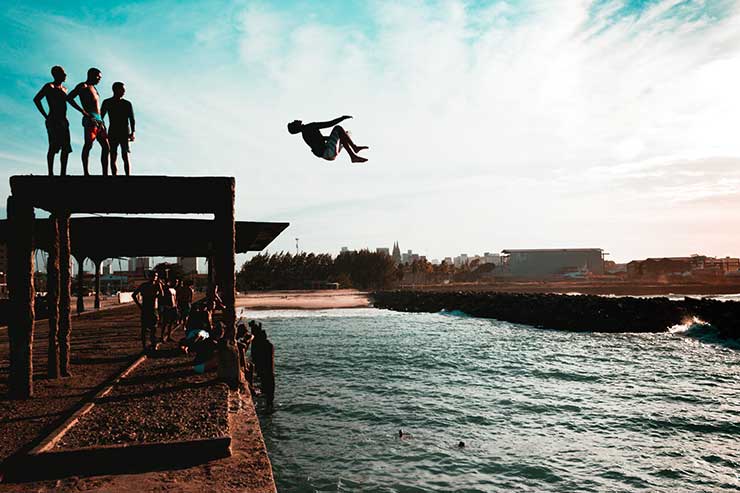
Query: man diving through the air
[327, 147]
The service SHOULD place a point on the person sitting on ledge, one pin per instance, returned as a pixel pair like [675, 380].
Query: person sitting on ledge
[327, 147]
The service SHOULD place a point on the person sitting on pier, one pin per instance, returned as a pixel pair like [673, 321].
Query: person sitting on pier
[57, 126]
[120, 114]
[149, 292]
[243, 341]
[327, 147]
[92, 122]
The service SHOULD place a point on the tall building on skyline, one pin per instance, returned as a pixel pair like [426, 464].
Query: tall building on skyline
[396, 255]
[189, 264]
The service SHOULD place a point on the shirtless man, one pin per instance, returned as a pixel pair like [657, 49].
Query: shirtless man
[327, 147]
[92, 122]
[148, 292]
[120, 115]
[57, 125]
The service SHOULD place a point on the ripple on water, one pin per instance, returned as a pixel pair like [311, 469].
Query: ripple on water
[538, 410]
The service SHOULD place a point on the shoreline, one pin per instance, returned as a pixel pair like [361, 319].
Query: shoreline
[322, 299]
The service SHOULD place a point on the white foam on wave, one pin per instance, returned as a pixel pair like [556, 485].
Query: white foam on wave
[245, 313]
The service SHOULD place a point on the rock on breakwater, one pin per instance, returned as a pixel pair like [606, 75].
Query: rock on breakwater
[571, 312]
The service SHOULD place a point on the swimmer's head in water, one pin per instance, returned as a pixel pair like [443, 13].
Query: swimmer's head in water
[119, 89]
[94, 75]
[58, 73]
[461, 445]
[295, 126]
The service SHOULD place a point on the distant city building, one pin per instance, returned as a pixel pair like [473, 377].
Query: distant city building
[387, 251]
[695, 265]
[107, 269]
[344, 250]
[396, 255]
[189, 264]
[548, 262]
[461, 260]
[492, 258]
[138, 264]
[448, 261]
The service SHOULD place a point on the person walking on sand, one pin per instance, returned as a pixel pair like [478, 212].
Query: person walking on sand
[327, 147]
[149, 292]
[57, 126]
[92, 122]
[120, 115]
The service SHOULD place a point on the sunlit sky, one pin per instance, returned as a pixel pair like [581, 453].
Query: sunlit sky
[491, 125]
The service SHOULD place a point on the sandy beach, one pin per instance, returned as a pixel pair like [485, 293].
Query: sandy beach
[303, 300]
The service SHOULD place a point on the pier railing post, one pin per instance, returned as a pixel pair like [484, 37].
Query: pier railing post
[52, 298]
[65, 294]
[80, 283]
[20, 286]
[97, 263]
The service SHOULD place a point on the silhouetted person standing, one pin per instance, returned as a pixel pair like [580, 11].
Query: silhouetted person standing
[327, 147]
[57, 125]
[120, 115]
[92, 122]
[263, 356]
[149, 292]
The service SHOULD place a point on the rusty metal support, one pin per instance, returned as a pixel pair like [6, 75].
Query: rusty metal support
[97, 263]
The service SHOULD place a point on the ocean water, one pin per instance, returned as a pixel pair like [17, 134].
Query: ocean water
[538, 410]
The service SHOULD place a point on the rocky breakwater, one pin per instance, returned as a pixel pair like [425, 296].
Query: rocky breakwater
[571, 312]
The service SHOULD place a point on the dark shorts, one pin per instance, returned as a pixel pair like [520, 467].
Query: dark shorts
[119, 140]
[58, 131]
[184, 311]
[94, 130]
[149, 319]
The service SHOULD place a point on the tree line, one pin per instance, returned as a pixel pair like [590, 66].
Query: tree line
[361, 269]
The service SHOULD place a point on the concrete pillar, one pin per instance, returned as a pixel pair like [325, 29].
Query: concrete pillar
[80, 284]
[20, 286]
[228, 369]
[65, 295]
[97, 263]
[52, 299]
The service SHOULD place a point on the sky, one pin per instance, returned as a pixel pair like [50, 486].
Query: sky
[492, 125]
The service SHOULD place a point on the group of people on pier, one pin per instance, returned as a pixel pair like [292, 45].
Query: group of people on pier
[120, 113]
[169, 306]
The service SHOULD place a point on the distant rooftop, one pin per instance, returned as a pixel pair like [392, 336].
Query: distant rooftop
[551, 250]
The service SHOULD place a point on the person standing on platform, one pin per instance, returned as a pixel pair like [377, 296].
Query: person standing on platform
[145, 297]
[120, 116]
[184, 297]
[92, 122]
[57, 126]
[263, 356]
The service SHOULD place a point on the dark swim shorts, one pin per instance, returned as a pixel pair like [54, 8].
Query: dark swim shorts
[119, 140]
[58, 131]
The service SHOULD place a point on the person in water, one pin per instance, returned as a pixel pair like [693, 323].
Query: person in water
[92, 122]
[327, 147]
[120, 115]
[57, 125]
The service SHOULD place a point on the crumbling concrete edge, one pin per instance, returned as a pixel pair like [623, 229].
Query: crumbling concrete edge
[242, 412]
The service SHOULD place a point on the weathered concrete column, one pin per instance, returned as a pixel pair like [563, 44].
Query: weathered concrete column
[65, 294]
[52, 299]
[228, 364]
[80, 284]
[20, 286]
[97, 263]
